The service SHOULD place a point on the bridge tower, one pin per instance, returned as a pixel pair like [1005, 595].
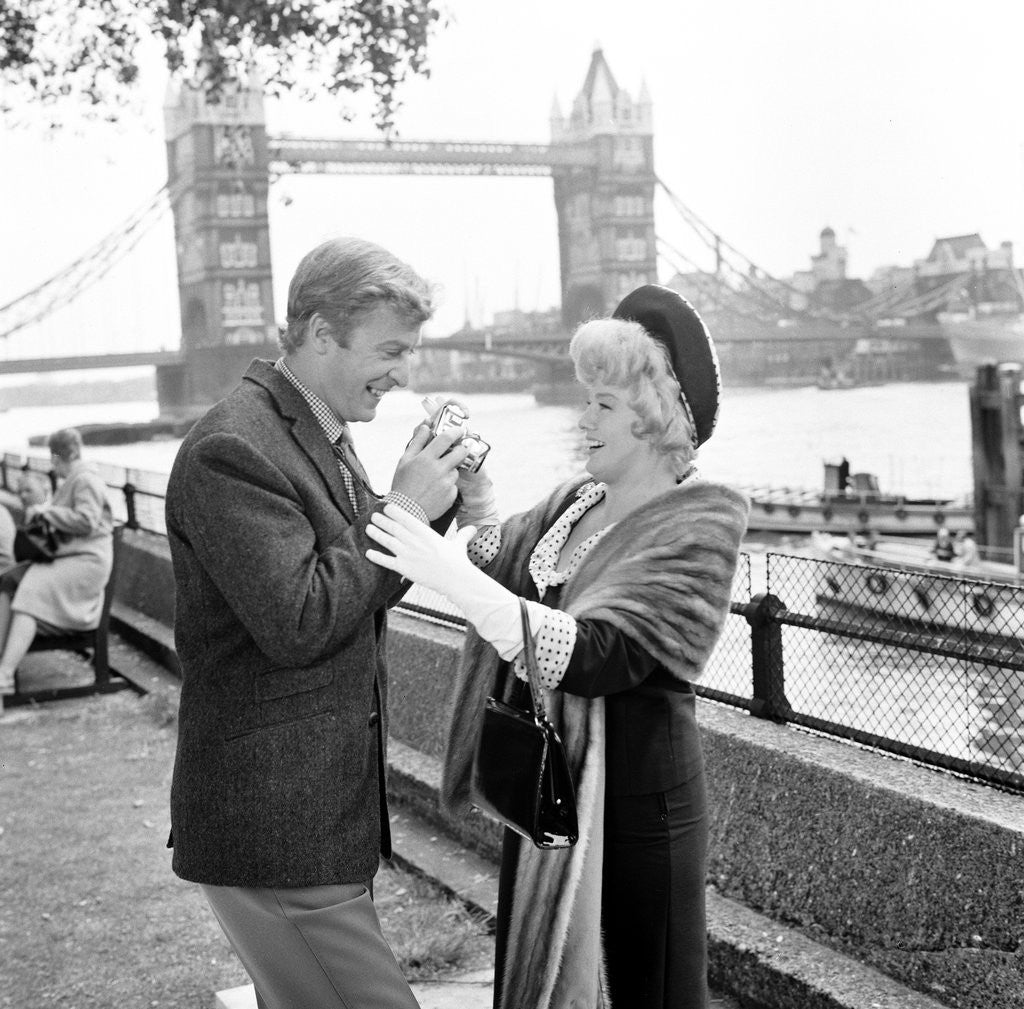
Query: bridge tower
[217, 166]
[605, 207]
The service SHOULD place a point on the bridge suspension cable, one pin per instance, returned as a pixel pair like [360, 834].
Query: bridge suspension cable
[66, 285]
[917, 304]
[753, 282]
[724, 297]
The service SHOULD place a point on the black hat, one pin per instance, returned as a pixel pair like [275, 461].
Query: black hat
[674, 322]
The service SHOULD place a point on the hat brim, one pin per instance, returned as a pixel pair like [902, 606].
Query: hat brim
[675, 323]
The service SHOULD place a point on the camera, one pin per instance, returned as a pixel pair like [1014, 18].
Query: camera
[451, 418]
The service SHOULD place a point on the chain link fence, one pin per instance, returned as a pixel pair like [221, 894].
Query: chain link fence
[924, 665]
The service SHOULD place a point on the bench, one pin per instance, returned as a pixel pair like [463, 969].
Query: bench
[93, 644]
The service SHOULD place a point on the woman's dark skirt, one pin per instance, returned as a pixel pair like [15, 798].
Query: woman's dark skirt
[652, 912]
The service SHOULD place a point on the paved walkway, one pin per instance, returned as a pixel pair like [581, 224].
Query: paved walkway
[464, 991]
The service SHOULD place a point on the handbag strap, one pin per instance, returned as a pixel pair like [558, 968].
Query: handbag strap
[530, 661]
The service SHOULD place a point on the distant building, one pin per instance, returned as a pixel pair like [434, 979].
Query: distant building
[825, 285]
[886, 279]
[961, 273]
[827, 266]
[963, 254]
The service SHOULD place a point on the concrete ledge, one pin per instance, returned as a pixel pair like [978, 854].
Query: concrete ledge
[145, 578]
[149, 636]
[422, 657]
[754, 957]
[415, 779]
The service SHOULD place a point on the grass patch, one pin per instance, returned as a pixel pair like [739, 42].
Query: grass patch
[430, 934]
[91, 914]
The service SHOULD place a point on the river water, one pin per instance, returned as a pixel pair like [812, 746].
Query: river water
[915, 437]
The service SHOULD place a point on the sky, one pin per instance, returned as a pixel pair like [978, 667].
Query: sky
[892, 122]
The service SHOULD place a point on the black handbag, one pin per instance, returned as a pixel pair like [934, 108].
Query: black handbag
[520, 775]
[37, 541]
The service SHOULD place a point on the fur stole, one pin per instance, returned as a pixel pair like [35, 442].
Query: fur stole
[663, 576]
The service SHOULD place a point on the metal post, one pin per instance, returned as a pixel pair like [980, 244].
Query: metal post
[129, 505]
[769, 687]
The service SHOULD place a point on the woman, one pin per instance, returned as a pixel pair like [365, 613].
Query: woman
[65, 594]
[633, 569]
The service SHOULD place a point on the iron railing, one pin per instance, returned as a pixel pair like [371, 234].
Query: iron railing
[924, 665]
[137, 498]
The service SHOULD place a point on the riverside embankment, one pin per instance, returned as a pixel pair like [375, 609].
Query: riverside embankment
[838, 877]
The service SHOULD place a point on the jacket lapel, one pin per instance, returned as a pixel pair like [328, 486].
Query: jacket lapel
[305, 429]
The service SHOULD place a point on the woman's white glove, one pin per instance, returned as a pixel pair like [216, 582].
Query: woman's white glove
[420, 555]
[478, 505]
[439, 563]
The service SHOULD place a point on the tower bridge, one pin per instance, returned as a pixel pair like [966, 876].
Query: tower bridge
[221, 159]
[220, 164]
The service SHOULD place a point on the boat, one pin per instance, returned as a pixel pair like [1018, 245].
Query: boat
[853, 504]
[830, 377]
[990, 332]
[984, 330]
[904, 587]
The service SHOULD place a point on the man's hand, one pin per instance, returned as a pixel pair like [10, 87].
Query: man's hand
[428, 471]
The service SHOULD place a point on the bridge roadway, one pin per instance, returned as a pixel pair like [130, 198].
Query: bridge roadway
[542, 348]
[422, 157]
[79, 362]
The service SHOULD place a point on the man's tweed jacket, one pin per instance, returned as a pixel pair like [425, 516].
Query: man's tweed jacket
[280, 625]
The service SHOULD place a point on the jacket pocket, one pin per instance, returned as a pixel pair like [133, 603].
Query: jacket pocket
[277, 683]
[274, 724]
[282, 696]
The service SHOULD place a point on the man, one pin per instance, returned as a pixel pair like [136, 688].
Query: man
[278, 804]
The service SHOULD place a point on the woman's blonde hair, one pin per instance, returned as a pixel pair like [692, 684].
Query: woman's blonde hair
[623, 354]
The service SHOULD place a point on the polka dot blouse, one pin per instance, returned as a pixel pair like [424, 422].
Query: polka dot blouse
[554, 630]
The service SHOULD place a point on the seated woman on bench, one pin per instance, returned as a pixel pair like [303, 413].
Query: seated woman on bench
[65, 594]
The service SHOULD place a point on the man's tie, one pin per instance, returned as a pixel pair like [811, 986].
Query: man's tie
[356, 481]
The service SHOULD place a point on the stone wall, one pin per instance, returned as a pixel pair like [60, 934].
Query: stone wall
[907, 869]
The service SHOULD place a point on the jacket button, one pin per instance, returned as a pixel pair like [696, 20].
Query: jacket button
[374, 719]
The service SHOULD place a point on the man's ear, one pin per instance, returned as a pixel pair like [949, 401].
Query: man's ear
[318, 333]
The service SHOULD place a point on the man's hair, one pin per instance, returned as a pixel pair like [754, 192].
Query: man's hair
[66, 443]
[622, 353]
[343, 279]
